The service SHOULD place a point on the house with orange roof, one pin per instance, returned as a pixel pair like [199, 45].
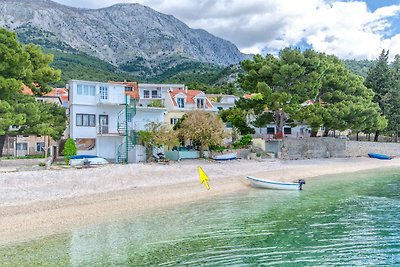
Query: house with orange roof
[180, 101]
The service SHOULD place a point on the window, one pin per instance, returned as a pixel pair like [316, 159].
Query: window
[181, 102]
[22, 146]
[154, 94]
[128, 89]
[287, 130]
[103, 92]
[200, 103]
[146, 94]
[80, 89]
[39, 146]
[86, 90]
[174, 121]
[270, 130]
[86, 120]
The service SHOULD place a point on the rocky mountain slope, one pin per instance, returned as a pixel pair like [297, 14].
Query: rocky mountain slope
[130, 36]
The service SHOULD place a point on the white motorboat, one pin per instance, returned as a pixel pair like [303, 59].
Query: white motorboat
[263, 183]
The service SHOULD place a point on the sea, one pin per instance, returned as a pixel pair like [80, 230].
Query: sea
[337, 220]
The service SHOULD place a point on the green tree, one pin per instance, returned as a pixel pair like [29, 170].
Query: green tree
[380, 80]
[238, 118]
[205, 129]
[287, 82]
[27, 65]
[157, 135]
[69, 149]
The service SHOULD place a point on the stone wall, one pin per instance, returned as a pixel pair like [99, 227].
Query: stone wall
[360, 149]
[326, 147]
[307, 148]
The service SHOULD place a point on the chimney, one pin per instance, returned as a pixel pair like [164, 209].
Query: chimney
[186, 89]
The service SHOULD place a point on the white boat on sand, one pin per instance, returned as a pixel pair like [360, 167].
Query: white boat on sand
[87, 160]
[263, 183]
[228, 156]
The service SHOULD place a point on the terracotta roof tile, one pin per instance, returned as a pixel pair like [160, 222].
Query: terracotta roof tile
[26, 90]
[61, 92]
[190, 96]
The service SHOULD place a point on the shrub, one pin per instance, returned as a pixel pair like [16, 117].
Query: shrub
[69, 149]
[243, 142]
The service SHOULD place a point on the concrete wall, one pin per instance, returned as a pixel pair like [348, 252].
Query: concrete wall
[326, 147]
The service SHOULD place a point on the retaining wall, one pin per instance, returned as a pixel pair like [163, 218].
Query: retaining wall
[326, 147]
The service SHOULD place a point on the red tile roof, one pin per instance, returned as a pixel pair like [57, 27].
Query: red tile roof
[26, 90]
[61, 92]
[190, 96]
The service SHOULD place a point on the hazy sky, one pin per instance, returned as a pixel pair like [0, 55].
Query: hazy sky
[348, 29]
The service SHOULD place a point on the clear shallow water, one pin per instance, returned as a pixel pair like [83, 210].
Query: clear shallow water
[347, 220]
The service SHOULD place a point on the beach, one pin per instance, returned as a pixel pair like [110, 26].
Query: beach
[35, 204]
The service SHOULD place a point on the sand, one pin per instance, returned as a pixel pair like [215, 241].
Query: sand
[34, 204]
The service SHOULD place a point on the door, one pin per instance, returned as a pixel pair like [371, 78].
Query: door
[103, 123]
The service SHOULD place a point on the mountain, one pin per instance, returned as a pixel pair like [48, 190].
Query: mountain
[134, 38]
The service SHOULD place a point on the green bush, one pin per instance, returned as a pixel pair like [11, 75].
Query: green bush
[243, 142]
[217, 148]
[69, 149]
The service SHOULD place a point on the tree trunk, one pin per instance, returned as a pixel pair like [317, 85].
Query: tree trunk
[376, 136]
[357, 136]
[280, 118]
[201, 151]
[2, 140]
[326, 132]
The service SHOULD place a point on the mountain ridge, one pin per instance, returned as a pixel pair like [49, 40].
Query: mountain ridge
[118, 34]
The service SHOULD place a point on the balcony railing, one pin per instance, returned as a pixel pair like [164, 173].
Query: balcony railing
[111, 99]
[158, 96]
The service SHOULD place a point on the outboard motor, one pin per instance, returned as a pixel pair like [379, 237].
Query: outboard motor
[301, 182]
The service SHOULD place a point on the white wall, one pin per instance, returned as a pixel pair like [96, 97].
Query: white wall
[82, 131]
[107, 146]
[146, 115]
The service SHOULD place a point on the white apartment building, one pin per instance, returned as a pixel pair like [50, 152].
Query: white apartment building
[104, 120]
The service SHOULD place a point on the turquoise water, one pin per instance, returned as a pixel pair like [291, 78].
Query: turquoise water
[346, 220]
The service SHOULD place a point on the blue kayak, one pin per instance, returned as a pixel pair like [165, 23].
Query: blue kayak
[379, 156]
[83, 157]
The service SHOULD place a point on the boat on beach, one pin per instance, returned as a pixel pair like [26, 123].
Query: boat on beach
[228, 156]
[379, 156]
[269, 184]
[86, 160]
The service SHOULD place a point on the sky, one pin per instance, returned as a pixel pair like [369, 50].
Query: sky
[346, 28]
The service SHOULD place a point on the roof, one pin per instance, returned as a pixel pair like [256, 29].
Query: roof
[26, 90]
[60, 92]
[190, 96]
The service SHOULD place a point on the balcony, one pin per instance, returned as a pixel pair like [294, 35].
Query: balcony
[106, 130]
[111, 99]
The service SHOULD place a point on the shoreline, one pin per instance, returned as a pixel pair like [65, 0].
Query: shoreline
[41, 203]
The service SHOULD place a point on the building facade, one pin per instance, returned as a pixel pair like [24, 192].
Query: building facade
[104, 120]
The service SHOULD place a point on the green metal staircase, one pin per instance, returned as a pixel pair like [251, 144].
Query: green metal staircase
[125, 128]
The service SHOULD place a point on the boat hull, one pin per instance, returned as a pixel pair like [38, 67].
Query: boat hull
[268, 184]
[230, 156]
[88, 161]
[379, 156]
